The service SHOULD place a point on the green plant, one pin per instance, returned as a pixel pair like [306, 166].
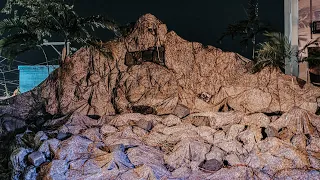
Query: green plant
[273, 52]
[249, 28]
[30, 23]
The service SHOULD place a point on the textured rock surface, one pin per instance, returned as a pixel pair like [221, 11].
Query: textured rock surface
[193, 113]
[175, 149]
[36, 158]
[194, 78]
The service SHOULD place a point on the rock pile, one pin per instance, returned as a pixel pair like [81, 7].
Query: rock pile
[231, 145]
[152, 105]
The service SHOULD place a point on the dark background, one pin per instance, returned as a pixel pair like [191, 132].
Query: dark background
[202, 21]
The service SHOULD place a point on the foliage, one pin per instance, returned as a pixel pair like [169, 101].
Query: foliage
[29, 23]
[249, 28]
[273, 52]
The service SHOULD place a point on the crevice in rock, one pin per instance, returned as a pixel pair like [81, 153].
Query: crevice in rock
[226, 163]
[153, 54]
[114, 94]
[94, 116]
[281, 129]
[276, 113]
[144, 110]
[264, 133]
[225, 108]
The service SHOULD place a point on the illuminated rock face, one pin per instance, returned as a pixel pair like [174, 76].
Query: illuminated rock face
[232, 146]
[182, 111]
[165, 70]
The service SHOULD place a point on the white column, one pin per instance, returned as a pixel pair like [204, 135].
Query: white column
[291, 22]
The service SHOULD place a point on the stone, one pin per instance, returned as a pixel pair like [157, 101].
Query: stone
[215, 153]
[221, 119]
[257, 119]
[238, 172]
[234, 131]
[181, 111]
[55, 170]
[298, 174]
[93, 134]
[185, 151]
[171, 120]
[107, 129]
[198, 121]
[248, 139]
[145, 172]
[63, 136]
[178, 128]
[271, 132]
[211, 165]
[39, 138]
[183, 173]
[10, 124]
[36, 158]
[233, 160]
[77, 123]
[30, 173]
[18, 158]
[120, 159]
[299, 141]
[73, 148]
[146, 125]
[206, 133]
[297, 121]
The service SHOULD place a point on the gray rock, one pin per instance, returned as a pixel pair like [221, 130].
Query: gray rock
[181, 111]
[215, 153]
[233, 159]
[18, 158]
[39, 138]
[271, 131]
[211, 165]
[30, 173]
[49, 147]
[93, 134]
[11, 124]
[108, 129]
[73, 148]
[56, 170]
[120, 158]
[62, 136]
[36, 158]
[146, 125]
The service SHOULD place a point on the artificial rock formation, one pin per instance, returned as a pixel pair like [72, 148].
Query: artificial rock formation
[200, 78]
[232, 145]
[152, 105]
